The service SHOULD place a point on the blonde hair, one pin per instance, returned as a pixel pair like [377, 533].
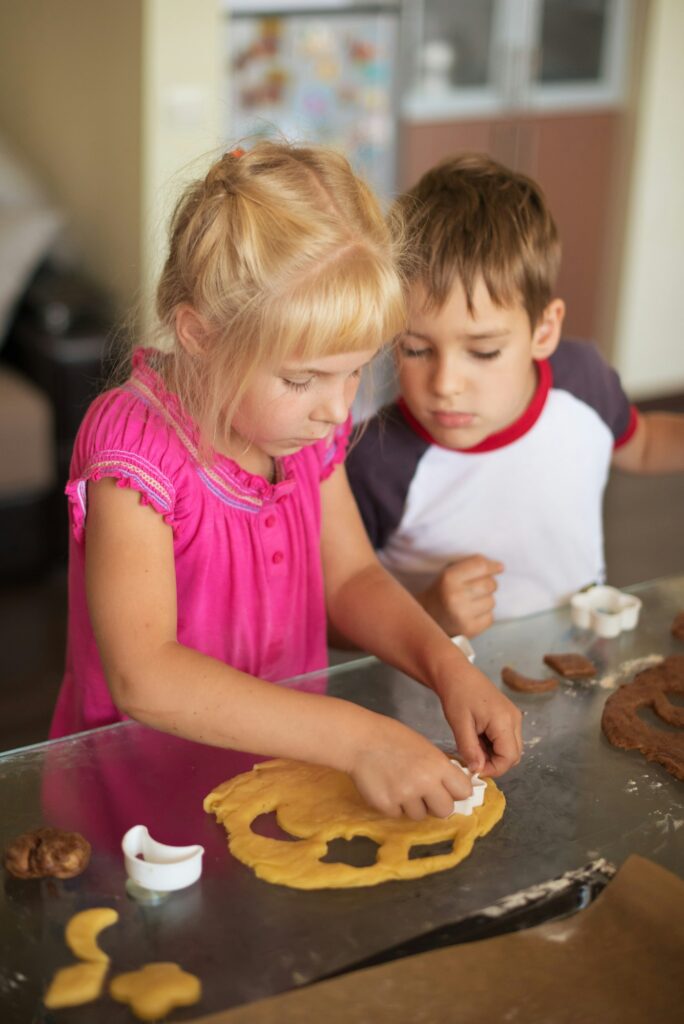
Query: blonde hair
[283, 252]
[471, 216]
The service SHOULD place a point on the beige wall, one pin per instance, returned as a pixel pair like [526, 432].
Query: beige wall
[70, 83]
[108, 101]
[649, 346]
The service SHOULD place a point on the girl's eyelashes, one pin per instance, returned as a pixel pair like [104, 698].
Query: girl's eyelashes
[298, 385]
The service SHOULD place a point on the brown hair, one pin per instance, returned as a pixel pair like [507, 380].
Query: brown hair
[284, 252]
[471, 216]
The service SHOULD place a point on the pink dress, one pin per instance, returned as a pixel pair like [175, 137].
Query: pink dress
[247, 552]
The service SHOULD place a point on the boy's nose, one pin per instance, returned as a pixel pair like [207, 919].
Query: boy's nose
[448, 380]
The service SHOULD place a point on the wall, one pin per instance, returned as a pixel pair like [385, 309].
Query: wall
[181, 114]
[649, 344]
[107, 101]
[70, 74]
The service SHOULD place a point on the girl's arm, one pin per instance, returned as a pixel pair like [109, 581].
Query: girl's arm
[657, 445]
[131, 589]
[376, 613]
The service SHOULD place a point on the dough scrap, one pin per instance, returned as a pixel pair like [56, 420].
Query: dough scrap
[571, 666]
[73, 986]
[318, 804]
[82, 930]
[624, 728]
[156, 989]
[523, 684]
[47, 852]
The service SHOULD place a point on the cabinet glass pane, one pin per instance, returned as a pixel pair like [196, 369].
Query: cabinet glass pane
[572, 40]
[464, 28]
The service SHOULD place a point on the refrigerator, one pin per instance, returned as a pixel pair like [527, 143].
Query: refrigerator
[322, 72]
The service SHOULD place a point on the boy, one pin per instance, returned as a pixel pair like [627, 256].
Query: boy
[488, 473]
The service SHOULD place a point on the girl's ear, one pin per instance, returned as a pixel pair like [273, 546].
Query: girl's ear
[191, 330]
[546, 334]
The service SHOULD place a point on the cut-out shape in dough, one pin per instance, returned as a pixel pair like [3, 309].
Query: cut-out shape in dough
[73, 986]
[523, 684]
[319, 805]
[156, 989]
[651, 688]
[83, 929]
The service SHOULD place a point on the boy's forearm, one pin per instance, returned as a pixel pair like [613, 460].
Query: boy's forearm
[660, 449]
[204, 700]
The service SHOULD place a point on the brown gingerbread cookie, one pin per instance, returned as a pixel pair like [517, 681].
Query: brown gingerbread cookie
[571, 666]
[624, 728]
[523, 684]
[678, 626]
[47, 852]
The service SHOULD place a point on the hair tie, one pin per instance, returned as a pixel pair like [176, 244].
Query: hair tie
[236, 153]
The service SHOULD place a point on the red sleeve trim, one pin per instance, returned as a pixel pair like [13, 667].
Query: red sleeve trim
[631, 427]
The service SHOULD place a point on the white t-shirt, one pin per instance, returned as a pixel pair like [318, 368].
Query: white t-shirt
[530, 496]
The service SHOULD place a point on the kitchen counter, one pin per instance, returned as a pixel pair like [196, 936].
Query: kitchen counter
[572, 800]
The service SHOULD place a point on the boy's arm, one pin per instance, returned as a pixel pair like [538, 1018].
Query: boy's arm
[656, 446]
[371, 608]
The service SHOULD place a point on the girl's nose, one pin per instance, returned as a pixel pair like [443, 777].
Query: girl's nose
[334, 408]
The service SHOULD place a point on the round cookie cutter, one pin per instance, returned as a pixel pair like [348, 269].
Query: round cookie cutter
[155, 869]
[605, 610]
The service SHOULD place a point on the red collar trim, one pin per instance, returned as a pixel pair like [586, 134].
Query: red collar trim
[509, 434]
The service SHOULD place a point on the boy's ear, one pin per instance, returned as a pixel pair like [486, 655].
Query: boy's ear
[546, 334]
[191, 330]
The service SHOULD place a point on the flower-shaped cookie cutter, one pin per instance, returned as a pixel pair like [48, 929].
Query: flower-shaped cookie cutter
[605, 610]
[476, 799]
[157, 867]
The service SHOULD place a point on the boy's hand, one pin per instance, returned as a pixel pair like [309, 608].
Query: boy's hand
[487, 726]
[397, 771]
[461, 599]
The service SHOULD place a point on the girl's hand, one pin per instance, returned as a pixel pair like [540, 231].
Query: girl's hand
[397, 771]
[461, 599]
[487, 726]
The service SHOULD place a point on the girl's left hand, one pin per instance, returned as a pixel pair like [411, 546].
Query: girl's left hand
[487, 726]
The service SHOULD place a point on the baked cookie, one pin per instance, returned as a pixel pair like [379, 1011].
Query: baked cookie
[524, 684]
[47, 852]
[571, 666]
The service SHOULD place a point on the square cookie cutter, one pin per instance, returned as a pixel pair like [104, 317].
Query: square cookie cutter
[605, 610]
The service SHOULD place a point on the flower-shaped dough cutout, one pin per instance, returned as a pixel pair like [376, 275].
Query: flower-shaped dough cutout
[156, 989]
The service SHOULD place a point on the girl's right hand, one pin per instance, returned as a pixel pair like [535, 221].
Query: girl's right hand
[397, 771]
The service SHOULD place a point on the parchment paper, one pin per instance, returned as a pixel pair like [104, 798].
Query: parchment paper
[621, 960]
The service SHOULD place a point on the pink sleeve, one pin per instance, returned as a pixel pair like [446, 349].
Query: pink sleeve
[332, 449]
[121, 437]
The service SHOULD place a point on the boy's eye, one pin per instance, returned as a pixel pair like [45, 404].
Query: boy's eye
[298, 385]
[486, 355]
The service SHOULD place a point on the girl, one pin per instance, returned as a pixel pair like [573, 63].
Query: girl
[212, 522]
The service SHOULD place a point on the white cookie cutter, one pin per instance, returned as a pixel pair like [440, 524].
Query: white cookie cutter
[605, 610]
[465, 645]
[476, 799]
[162, 868]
